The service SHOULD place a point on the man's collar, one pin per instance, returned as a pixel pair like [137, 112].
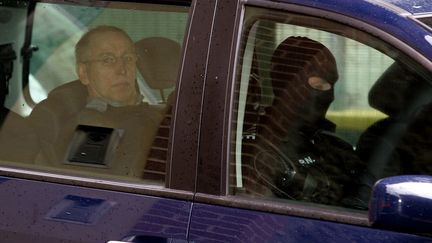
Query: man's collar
[101, 104]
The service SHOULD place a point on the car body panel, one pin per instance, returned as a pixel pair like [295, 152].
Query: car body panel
[413, 6]
[402, 201]
[224, 224]
[378, 15]
[43, 210]
[50, 212]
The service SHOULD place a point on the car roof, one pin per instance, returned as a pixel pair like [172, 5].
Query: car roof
[414, 7]
[395, 17]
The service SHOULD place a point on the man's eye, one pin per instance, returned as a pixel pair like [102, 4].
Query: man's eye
[108, 60]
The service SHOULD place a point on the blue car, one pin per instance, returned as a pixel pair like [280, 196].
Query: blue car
[216, 121]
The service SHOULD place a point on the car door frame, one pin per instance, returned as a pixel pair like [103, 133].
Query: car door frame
[185, 123]
[185, 126]
[213, 166]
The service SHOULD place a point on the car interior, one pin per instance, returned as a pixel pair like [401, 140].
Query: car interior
[47, 70]
[374, 105]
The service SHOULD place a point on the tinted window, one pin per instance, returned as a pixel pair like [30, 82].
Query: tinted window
[100, 89]
[323, 110]
[426, 20]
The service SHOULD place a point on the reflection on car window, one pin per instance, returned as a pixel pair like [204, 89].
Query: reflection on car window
[318, 116]
[102, 81]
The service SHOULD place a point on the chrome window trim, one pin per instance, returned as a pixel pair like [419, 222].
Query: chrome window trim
[96, 183]
[295, 209]
[418, 19]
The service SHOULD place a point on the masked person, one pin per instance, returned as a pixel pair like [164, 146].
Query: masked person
[309, 162]
[99, 122]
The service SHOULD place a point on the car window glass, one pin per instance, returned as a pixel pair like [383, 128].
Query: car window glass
[426, 20]
[99, 91]
[323, 111]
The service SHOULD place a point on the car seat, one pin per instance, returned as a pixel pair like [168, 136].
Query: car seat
[18, 141]
[158, 63]
[253, 111]
[62, 104]
[399, 93]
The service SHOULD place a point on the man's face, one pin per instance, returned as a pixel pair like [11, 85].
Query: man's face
[110, 72]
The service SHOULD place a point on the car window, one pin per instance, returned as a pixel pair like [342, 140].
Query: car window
[98, 90]
[426, 20]
[322, 111]
[56, 42]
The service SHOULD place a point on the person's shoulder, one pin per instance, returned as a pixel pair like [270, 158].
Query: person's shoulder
[156, 108]
[333, 140]
[155, 112]
[67, 98]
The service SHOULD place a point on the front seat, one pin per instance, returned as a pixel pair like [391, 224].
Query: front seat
[399, 93]
[158, 63]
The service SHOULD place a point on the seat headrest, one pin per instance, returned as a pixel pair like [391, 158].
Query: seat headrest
[397, 91]
[158, 62]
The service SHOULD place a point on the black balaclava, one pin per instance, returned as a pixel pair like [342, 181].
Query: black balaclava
[296, 104]
[298, 113]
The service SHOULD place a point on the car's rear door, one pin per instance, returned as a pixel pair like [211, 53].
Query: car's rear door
[260, 179]
[60, 201]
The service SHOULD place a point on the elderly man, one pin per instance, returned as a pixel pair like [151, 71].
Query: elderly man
[99, 123]
[106, 64]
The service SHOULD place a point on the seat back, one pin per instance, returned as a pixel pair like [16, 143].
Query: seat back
[64, 101]
[398, 92]
[252, 114]
[158, 63]
[401, 94]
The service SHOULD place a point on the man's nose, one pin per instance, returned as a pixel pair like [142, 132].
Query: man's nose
[122, 65]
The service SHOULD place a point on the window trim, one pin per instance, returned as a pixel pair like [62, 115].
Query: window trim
[295, 208]
[105, 184]
[211, 169]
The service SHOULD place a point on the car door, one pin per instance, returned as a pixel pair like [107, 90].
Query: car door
[270, 174]
[81, 197]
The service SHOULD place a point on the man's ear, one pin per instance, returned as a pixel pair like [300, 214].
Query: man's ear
[82, 73]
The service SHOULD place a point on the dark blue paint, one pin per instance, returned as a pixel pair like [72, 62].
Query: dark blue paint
[401, 27]
[403, 203]
[49, 212]
[267, 227]
[413, 6]
[26, 205]
[3, 179]
[79, 209]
